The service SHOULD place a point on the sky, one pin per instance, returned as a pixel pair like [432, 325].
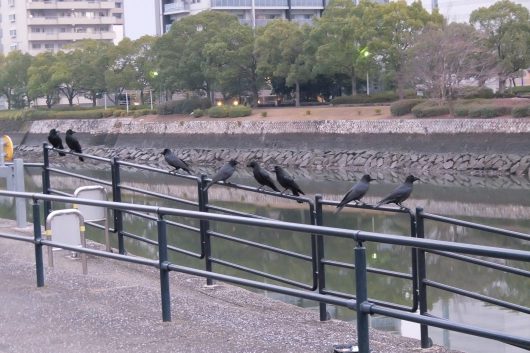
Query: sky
[139, 18]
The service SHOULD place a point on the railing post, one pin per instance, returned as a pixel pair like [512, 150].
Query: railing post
[46, 178]
[414, 262]
[116, 197]
[204, 227]
[422, 275]
[320, 257]
[164, 271]
[37, 236]
[361, 294]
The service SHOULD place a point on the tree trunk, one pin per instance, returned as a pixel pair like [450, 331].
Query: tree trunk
[94, 100]
[399, 81]
[353, 83]
[502, 85]
[71, 100]
[297, 94]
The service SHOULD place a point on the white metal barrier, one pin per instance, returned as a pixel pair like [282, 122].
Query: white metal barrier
[94, 213]
[14, 175]
[66, 227]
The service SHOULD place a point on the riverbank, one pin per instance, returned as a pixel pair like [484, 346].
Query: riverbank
[478, 146]
[116, 308]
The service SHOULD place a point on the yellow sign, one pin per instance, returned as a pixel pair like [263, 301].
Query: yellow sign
[8, 148]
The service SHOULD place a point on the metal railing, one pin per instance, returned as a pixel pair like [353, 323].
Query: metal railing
[417, 276]
[362, 305]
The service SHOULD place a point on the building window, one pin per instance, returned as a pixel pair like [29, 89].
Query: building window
[13, 46]
[118, 5]
[117, 15]
[11, 3]
[35, 46]
[48, 46]
[13, 33]
[12, 17]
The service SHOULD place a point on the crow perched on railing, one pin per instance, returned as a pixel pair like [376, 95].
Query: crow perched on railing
[56, 141]
[356, 193]
[175, 161]
[224, 173]
[400, 194]
[262, 176]
[73, 143]
[287, 181]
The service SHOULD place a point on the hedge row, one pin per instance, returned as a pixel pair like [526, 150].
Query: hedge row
[185, 106]
[429, 109]
[37, 114]
[466, 108]
[229, 111]
[404, 106]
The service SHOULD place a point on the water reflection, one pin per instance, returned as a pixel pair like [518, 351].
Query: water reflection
[497, 201]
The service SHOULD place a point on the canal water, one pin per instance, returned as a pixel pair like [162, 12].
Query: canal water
[499, 201]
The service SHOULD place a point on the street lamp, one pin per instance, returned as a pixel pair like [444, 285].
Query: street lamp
[364, 53]
[153, 75]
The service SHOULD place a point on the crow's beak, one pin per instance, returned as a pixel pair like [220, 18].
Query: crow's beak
[249, 166]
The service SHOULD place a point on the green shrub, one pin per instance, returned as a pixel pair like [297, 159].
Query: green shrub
[490, 111]
[142, 112]
[404, 106]
[519, 89]
[185, 106]
[197, 113]
[521, 111]
[264, 114]
[470, 92]
[240, 110]
[218, 112]
[383, 97]
[462, 110]
[430, 108]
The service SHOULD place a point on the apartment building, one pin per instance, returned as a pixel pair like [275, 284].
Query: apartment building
[34, 26]
[460, 10]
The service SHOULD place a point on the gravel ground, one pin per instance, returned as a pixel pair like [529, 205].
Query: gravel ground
[116, 308]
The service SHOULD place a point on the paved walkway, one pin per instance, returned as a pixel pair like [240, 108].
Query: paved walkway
[116, 308]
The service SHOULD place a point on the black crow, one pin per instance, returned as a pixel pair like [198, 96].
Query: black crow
[287, 181]
[262, 176]
[356, 193]
[400, 194]
[224, 173]
[73, 143]
[175, 161]
[56, 141]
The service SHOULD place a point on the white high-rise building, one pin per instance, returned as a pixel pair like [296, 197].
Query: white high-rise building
[460, 10]
[34, 26]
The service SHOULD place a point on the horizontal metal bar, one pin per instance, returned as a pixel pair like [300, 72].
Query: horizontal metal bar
[27, 164]
[508, 269]
[99, 181]
[154, 242]
[159, 195]
[264, 286]
[17, 237]
[59, 192]
[379, 271]
[99, 226]
[169, 222]
[157, 170]
[261, 274]
[450, 325]
[477, 226]
[484, 298]
[358, 235]
[376, 301]
[368, 207]
[115, 256]
[233, 212]
[89, 156]
[260, 246]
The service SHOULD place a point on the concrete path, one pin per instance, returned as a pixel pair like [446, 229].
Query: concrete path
[116, 308]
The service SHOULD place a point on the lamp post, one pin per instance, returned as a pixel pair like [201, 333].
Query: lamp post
[364, 53]
[154, 74]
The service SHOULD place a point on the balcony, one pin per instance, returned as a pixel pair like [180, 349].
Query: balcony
[65, 5]
[70, 36]
[64, 20]
[247, 4]
[176, 7]
[307, 4]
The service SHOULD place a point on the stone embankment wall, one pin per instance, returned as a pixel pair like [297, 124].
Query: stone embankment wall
[438, 145]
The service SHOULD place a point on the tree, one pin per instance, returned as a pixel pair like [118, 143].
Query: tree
[398, 28]
[180, 52]
[280, 53]
[336, 36]
[40, 82]
[232, 61]
[64, 73]
[14, 78]
[91, 59]
[443, 58]
[507, 27]
[122, 71]
[144, 62]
